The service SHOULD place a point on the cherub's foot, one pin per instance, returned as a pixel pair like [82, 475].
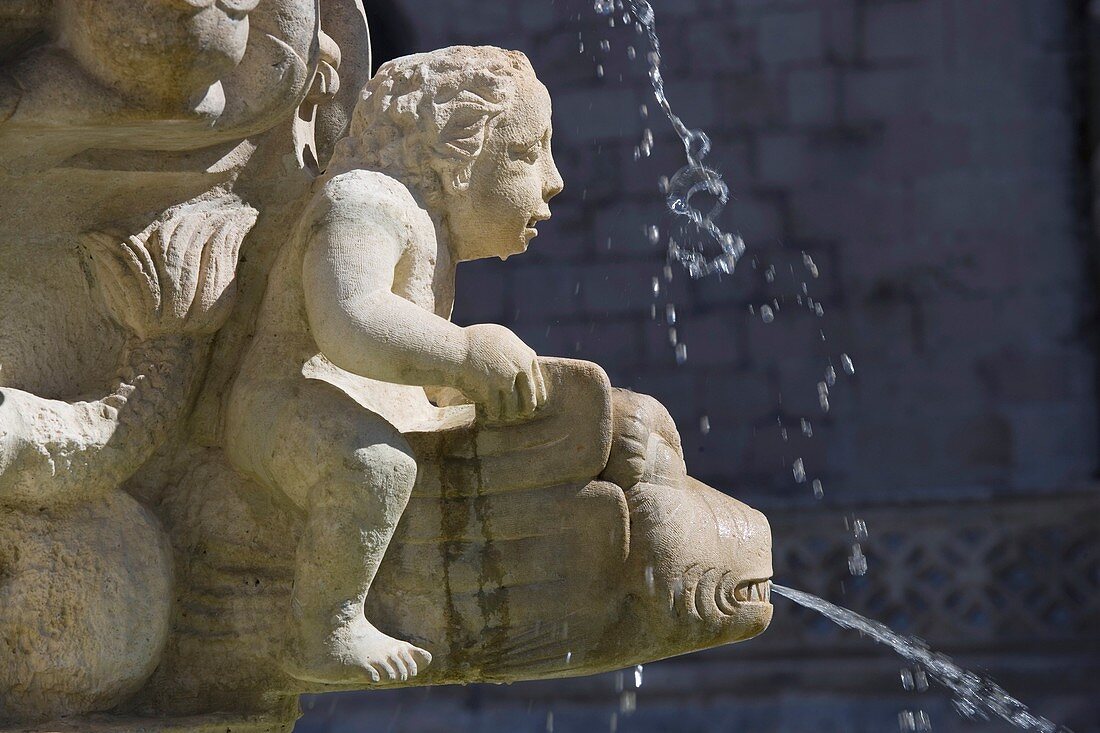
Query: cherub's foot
[356, 653]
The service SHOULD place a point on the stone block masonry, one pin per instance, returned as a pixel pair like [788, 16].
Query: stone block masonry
[924, 153]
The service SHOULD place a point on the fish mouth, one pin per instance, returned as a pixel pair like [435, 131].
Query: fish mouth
[753, 591]
[756, 592]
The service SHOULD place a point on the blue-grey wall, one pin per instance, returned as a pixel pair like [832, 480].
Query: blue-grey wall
[929, 156]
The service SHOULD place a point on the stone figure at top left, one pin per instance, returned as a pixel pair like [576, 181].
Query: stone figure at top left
[132, 140]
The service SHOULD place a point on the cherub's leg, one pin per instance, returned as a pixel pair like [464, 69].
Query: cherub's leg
[352, 472]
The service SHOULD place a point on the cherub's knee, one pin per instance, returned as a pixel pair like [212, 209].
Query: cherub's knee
[645, 444]
[374, 474]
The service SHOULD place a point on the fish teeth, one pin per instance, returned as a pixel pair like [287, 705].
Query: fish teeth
[759, 591]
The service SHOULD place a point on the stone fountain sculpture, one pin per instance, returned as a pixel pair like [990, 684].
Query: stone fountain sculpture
[244, 454]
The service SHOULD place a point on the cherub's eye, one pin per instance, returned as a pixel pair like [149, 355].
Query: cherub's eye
[526, 153]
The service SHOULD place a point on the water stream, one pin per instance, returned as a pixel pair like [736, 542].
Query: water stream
[716, 252]
[693, 178]
[974, 696]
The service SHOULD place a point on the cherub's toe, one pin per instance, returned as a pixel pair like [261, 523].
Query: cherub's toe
[422, 657]
[409, 661]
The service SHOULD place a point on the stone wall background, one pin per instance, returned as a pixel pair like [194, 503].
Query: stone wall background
[931, 157]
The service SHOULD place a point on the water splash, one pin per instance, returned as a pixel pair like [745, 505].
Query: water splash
[974, 696]
[694, 178]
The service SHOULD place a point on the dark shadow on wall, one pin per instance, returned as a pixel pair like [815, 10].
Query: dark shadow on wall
[1084, 70]
[391, 33]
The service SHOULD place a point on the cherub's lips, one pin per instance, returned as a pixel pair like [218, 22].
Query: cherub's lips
[534, 220]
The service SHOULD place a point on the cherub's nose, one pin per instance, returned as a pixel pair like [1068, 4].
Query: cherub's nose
[554, 182]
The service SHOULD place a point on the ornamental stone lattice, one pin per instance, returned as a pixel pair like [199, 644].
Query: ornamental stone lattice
[244, 454]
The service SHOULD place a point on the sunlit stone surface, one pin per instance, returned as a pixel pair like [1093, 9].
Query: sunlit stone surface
[243, 452]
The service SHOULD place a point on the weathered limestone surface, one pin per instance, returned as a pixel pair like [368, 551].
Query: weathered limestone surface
[244, 454]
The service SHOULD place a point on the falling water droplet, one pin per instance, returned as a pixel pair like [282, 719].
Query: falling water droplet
[670, 314]
[819, 490]
[769, 274]
[799, 471]
[906, 678]
[653, 234]
[550, 722]
[859, 529]
[628, 702]
[662, 184]
[605, 45]
[846, 363]
[644, 111]
[599, 71]
[704, 425]
[823, 396]
[681, 353]
[830, 375]
[631, 53]
[808, 262]
[673, 339]
[656, 287]
[857, 561]
[604, 7]
[914, 722]
[807, 428]
[637, 675]
[766, 313]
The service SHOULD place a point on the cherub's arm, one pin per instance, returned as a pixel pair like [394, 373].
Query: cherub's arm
[361, 326]
[358, 322]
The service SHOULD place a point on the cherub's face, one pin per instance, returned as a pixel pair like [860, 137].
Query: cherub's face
[510, 183]
[162, 51]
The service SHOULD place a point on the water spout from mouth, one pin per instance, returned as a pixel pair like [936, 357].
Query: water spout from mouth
[974, 696]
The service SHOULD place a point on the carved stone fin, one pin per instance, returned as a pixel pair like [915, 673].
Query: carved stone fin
[178, 275]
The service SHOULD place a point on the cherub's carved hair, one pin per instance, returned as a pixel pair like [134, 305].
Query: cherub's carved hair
[424, 119]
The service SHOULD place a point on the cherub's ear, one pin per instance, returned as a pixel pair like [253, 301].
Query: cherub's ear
[463, 135]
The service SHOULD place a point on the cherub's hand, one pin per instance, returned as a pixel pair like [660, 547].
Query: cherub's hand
[502, 374]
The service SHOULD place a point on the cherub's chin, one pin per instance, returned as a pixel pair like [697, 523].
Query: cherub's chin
[521, 246]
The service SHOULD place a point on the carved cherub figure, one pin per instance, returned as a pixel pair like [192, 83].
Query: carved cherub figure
[448, 160]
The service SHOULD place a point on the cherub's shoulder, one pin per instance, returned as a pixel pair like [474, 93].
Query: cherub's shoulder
[362, 191]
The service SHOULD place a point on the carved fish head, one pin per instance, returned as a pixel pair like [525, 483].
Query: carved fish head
[699, 568]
